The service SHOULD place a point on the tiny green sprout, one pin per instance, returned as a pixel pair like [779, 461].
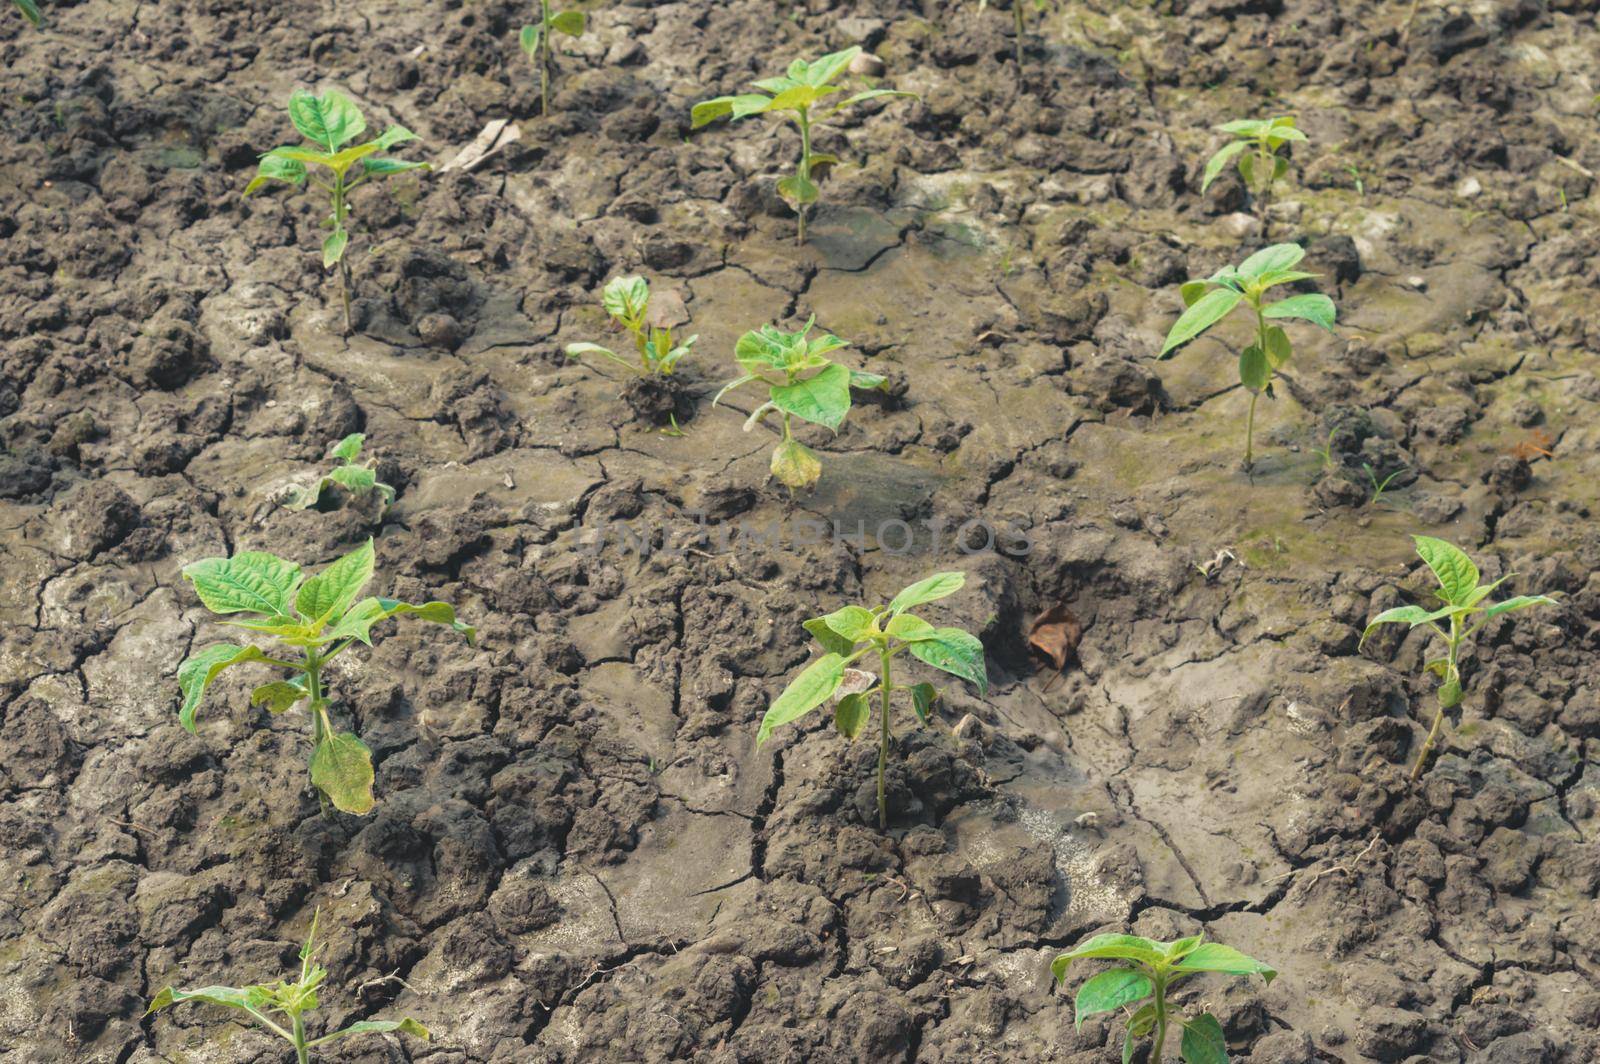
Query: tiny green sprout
[30, 11]
[1153, 969]
[854, 632]
[329, 122]
[1465, 608]
[536, 42]
[358, 478]
[804, 86]
[319, 618]
[1210, 300]
[290, 1000]
[627, 300]
[1017, 17]
[802, 382]
[1378, 486]
[1256, 146]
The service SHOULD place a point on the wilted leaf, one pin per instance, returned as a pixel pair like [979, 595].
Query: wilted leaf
[1055, 633]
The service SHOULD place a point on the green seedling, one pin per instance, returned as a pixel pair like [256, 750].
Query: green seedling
[316, 620]
[1210, 300]
[291, 1001]
[1017, 18]
[1464, 606]
[30, 11]
[802, 382]
[329, 122]
[1151, 970]
[856, 632]
[1378, 486]
[627, 300]
[536, 42]
[802, 88]
[1256, 146]
[358, 478]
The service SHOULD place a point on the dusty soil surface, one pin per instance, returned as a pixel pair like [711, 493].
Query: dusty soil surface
[578, 855]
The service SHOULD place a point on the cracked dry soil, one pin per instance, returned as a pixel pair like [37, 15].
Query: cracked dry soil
[578, 855]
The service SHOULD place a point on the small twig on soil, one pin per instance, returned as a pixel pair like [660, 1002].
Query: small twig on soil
[135, 827]
[392, 977]
[1346, 869]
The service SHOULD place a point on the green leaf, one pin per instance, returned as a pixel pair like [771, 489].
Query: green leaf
[341, 768]
[333, 247]
[830, 640]
[1276, 257]
[1206, 312]
[910, 629]
[823, 399]
[922, 696]
[708, 111]
[1203, 1042]
[326, 596]
[955, 652]
[249, 582]
[1450, 693]
[529, 39]
[864, 380]
[1411, 615]
[349, 448]
[30, 11]
[568, 22]
[394, 135]
[197, 672]
[852, 714]
[626, 299]
[854, 623]
[405, 1026]
[1184, 946]
[1254, 372]
[1276, 277]
[276, 167]
[278, 696]
[382, 167]
[821, 71]
[1247, 169]
[330, 119]
[1278, 348]
[358, 622]
[1191, 291]
[1215, 957]
[1108, 992]
[1115, 947]
[1143, 1020]
[1215, 164]
[351, 155]
[863, 97]
[250, 998]
[1518, 602]
[358, 480]
[928, 589]
[814, 686]
[795, 466]
[1244, 127]
[1457, 576]
[1314, 307]
[798, 191]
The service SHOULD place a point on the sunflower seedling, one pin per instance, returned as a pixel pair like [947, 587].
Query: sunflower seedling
[803, 87]
[536, 42]
[316, 619]
[802, 382]
[627, 300]
[1256, 146]
[1149, 970]
[1465, 608]
[856, 632]
[329, 122]
[289, 1000]
[1210, 300]
[358, 478]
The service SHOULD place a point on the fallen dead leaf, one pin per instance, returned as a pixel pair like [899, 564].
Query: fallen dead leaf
[1055, 634]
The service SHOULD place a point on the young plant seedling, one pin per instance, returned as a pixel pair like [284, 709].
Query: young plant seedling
[536, 42]
[1017, 17]
[30, 11]
[1150, 970]
[1210, 300]
[1378, 486]
[1465, 608]
[627, 300]
[1256, 144]
[856, 632]
[794, 95]
[329, 122]
[290, 1000]
[802, 382]
[316, 620]
[358, 478]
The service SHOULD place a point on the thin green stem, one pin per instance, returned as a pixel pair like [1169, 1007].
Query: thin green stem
[804, 119]
[544, 58]
[1016, 10]
[1161, 1020]
[885, 684]
[1451, 672]
[302, 1054]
